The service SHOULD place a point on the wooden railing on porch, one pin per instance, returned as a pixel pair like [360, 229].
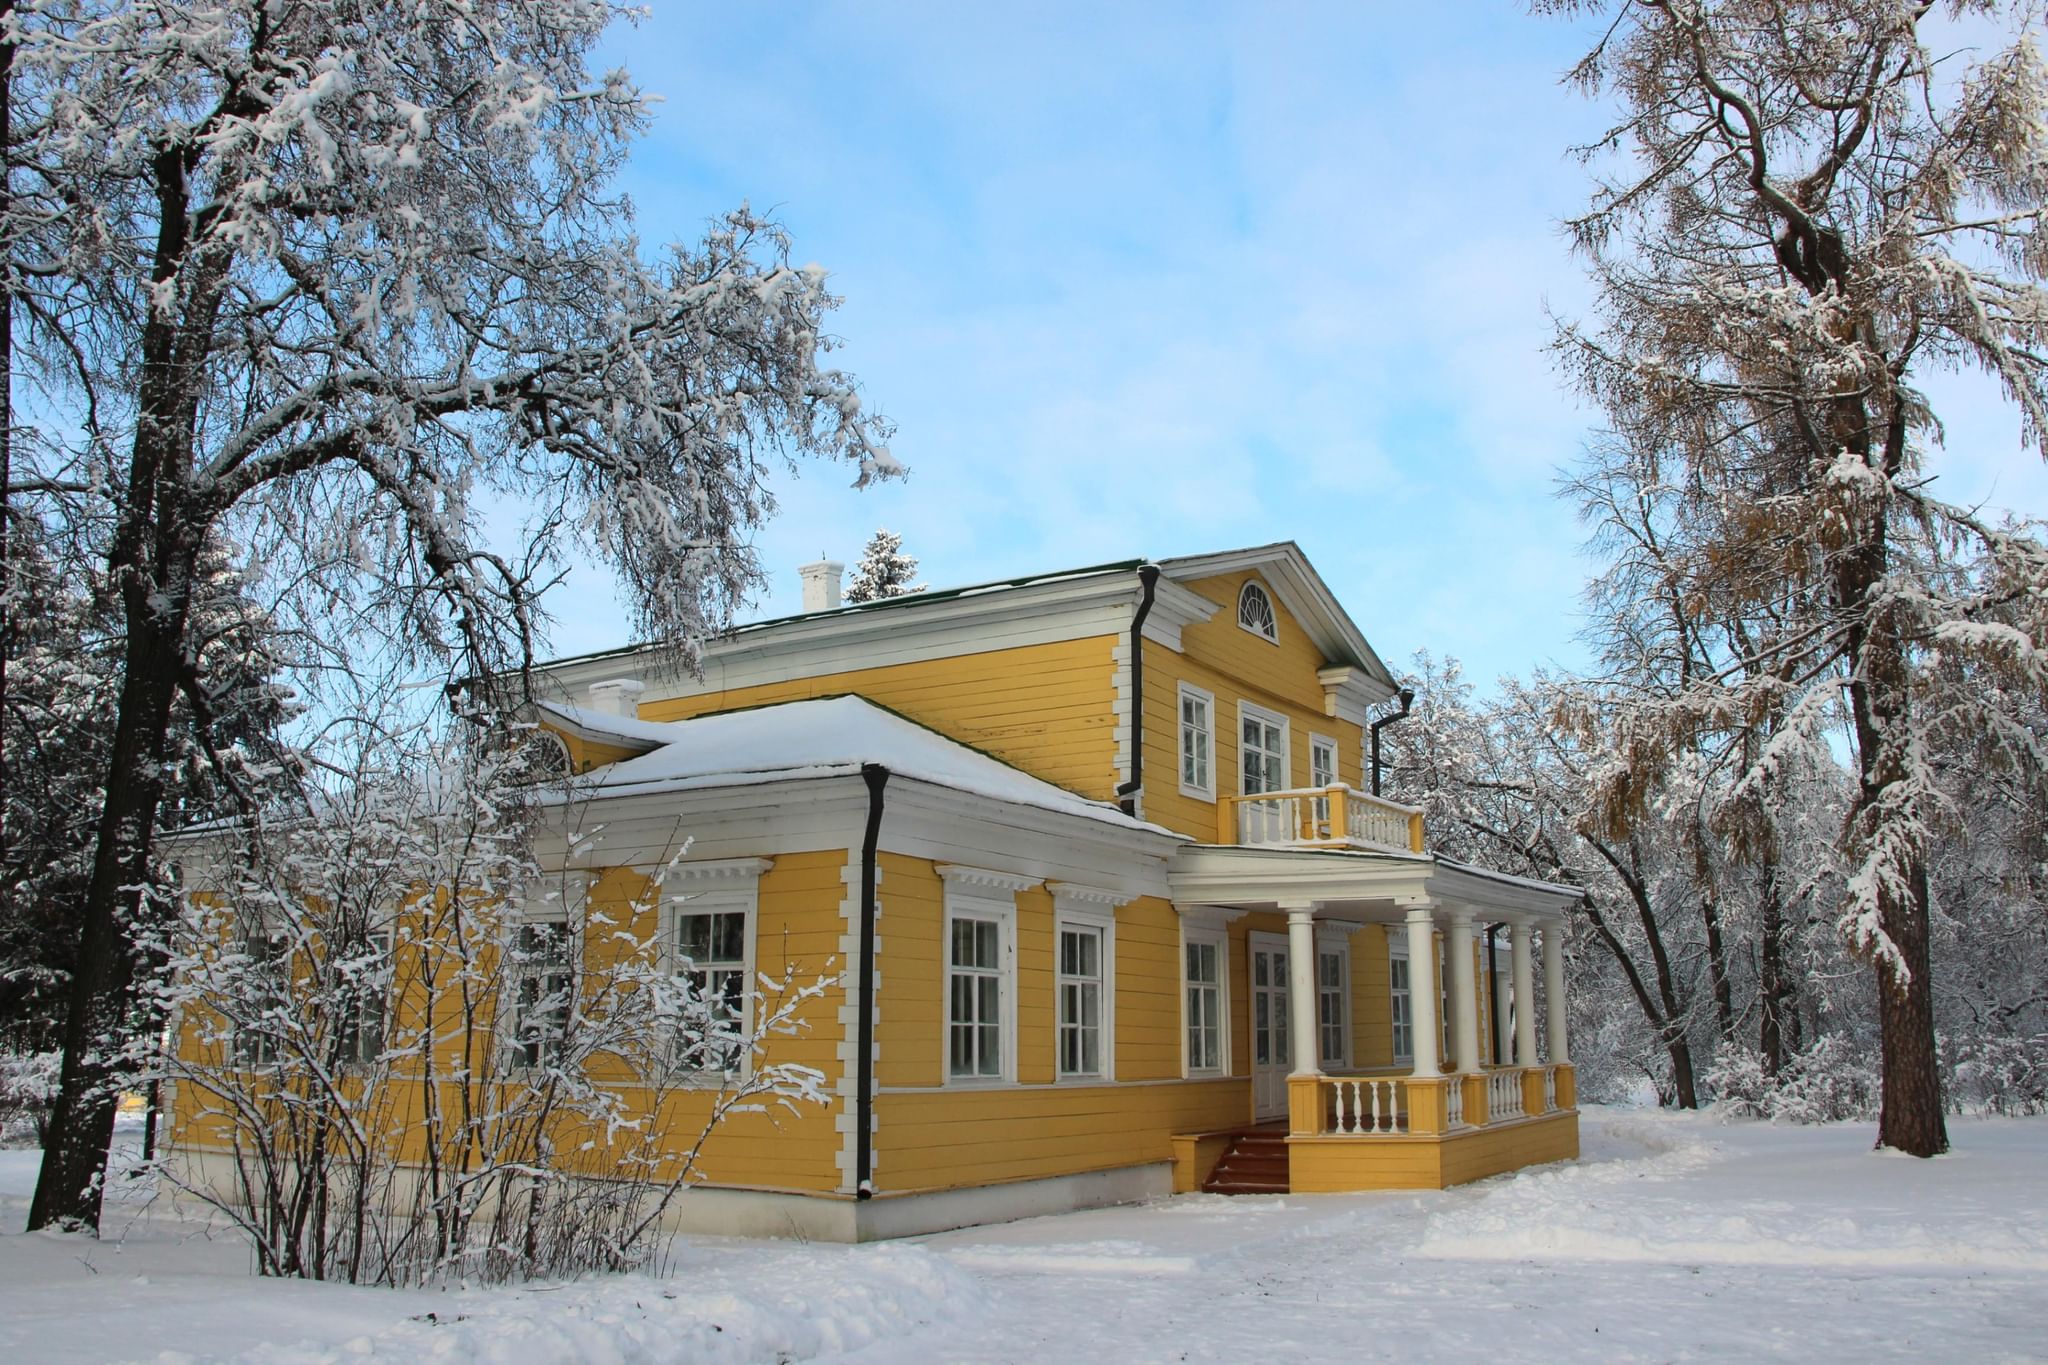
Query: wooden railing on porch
[1377, 1106]
[1310, 816]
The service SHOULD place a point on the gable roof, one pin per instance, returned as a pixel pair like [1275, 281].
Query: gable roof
[1301, 590]
[828, 737]
[1282, 564]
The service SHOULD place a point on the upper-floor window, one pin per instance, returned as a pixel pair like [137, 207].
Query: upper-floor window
[1262, 749]
[1255, 612]
[1197, 742]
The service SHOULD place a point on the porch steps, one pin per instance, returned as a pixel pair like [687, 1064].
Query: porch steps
[1254, 1163]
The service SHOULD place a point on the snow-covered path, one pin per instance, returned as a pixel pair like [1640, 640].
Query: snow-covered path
[1675, 1238]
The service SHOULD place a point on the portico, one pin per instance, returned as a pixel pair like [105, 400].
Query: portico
[1473, 1096]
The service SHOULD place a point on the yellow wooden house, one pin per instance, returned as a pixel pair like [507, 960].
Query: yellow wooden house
[1110, 909]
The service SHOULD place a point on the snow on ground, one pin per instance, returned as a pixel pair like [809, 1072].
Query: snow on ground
[1674, 1238]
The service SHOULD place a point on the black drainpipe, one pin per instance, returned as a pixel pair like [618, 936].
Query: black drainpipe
[1493, 986]
[1127, 795]
[877, 777]
[1407, 695]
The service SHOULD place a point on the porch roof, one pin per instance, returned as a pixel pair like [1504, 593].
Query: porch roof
[1354, 884]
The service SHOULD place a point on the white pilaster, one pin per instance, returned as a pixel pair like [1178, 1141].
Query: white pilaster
[1301, 989]
[1464, 990]
[1422, 989]
[1553, 992]
[1525, 995]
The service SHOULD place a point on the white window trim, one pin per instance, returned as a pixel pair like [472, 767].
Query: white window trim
[979, 893]
[1208, 700]
[1397, 951]
[1082, 909]
[1252, 710]
[1272, 611]
[1333, 939]
[1220, 937]
[572, 933]
[1315, 742]
[721, 885]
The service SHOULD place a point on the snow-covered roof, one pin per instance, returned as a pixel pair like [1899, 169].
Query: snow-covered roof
[829, 737]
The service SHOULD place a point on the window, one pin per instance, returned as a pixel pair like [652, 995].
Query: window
[975, 985]
[1197, 742]
[1255, 612]
[1263, 746]
[1443, 998]
[1402, 1006]
[711, 963]
[1333, 1014]
[265, 1003]
[1322, 772]
[1080, 995]
[1206, 955]
[542, 980]
[365, 982]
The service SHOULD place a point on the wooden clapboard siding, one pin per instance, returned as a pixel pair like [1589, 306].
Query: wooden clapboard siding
[1222, 658]
[1320, 1165]
[1045, 708]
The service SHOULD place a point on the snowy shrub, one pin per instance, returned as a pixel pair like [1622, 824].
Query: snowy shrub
[1830, 1081]
[1998, 1075]
[28, 1086]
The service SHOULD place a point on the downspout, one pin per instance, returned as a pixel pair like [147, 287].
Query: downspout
[877, 777]
[1407, 695]
[1127, 795]
[1493, 986]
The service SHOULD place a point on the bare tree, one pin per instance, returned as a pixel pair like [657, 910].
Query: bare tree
[341, 279]
[1806, 209]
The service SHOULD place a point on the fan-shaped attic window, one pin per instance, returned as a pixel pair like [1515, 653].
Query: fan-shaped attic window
[1255, 613]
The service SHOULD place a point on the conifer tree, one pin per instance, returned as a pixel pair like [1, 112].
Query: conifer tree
[884, 570]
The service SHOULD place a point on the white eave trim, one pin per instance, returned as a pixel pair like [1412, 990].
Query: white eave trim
[982, 878]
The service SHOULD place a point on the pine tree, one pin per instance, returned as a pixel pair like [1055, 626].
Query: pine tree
[884, 570]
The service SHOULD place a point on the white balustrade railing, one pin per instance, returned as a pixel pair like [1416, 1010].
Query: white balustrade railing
[1374, 822]
[1454, 1103]
[1549, 1089]
[1318, 815]
[1503, 1095]
[1368, 1106]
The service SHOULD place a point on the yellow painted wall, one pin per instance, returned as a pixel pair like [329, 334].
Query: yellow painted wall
[1326, 1165]
[797, 935]
[1223, 658]
[1047, 709]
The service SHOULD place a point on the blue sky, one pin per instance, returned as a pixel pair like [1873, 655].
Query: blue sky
[1154, 280]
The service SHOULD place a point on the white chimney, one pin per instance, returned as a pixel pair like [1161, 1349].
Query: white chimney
[617, 697]
[821, 584]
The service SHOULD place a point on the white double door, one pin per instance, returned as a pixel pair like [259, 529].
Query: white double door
[1272, 1044]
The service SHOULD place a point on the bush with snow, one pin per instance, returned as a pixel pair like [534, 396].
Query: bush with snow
[1831, 1080]
[28, 1086]
[1998, 1075]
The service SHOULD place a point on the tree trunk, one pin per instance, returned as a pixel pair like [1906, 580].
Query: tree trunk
[69, 1190]
[1717, 963]
[1772, 990]
[1911, 1118]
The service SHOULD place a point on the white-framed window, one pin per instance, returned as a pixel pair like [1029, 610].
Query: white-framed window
[265, 999]
[366, 988]
[1197, 742]
[1206, 974]
[708, 915]
[542, 977]
[711, 942]
[1401, 1004]
[1262, 749]
[1322, 772]
[1443, 997]
[1082, 1007]
[1255, 611]
[981, 975]
[1333, 1000]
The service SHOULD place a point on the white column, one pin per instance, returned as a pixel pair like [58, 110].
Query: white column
[1464, 990]
[1301, 989]
[1525, 996]
[1553, 992]
[1422, 989]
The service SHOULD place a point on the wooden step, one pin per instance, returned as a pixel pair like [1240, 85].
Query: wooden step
[1254, 1163]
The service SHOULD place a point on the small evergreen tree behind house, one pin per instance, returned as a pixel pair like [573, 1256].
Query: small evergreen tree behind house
[884, 570]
